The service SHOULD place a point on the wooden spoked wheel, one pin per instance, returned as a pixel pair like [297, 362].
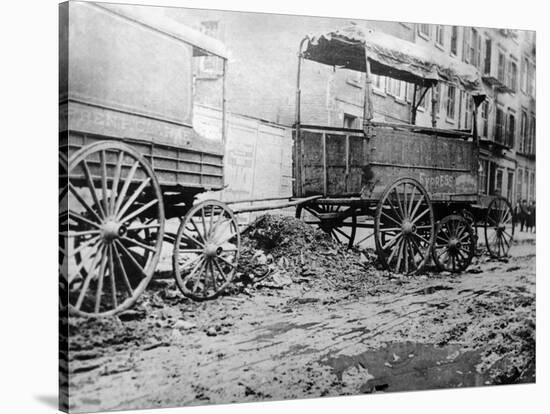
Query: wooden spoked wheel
[404, 227]
[114, 228]
[340, 229]
[454, 245]
[63, 185]
[206, 250]
[499, 227]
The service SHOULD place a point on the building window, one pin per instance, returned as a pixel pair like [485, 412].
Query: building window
[532, 135]
[531, 80]
[510, 186]
[523, 132]
[439, 34]
[379, 83]
[523, 74]
[499, 126]
[501, 74]
[350, 121]
[396, 88]
[451, 101]
[424, 30]
[437, 95]
[485, 119]
[466, 31]
[498, 182]
[532, 185]
[454, 40]
[512, 75]
[488, 56]
[475, 48]
[210, 66]
[519, 185]
[483, 176]
[511, 129]
[468, 110]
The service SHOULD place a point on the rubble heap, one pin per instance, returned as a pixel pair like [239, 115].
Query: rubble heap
[293, 251]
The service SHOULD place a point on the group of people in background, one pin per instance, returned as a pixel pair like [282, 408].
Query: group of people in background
[526, 215]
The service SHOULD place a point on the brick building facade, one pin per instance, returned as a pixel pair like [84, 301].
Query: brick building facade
[262, 79]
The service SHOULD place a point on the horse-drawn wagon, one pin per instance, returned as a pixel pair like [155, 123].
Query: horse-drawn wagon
[415, 186]
[130, 159]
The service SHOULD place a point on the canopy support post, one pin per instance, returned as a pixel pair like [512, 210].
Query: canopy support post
[434, 103]
[367, 103]
[413, 106]
[224, 100]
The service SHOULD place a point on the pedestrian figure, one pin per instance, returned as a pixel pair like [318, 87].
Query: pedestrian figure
[517, 213]
[523, 212]
[531, 217]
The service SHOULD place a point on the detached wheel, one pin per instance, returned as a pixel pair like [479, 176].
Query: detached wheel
[327, 218]
[114, 231]
[206, 250]
[404, 227]
[499, 227]
[455, 244]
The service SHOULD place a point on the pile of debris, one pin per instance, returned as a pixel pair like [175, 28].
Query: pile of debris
[278, 250]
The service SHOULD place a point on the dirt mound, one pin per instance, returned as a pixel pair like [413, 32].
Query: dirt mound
[293, 251]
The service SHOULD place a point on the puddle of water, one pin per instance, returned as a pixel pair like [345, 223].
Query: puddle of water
[431, 289]
[408, 366]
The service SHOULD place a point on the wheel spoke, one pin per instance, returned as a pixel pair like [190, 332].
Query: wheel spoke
[132, 258]
[92, 241]
[123, 270]
[116, 179]
[112, 274]
[220, 270]
[83, 219]
[127, 182]
[132, 198]
[80, 233]
[398, 202]
[139, 244]
[197, 271]
[391, 218]
[139, 211]
[104, 182]
[89, 277]
[409, 208]
[414, 220]
[83, 203]
[226, 262]
[91, 187]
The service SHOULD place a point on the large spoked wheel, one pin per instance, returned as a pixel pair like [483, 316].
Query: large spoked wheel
[328, 217]
[63, 185]
[455, 244]
[206, 250]
[499, 227]
[114, 228]
[404, 227]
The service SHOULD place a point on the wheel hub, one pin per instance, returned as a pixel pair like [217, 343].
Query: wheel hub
[408, 227]
[212, 250]
[111, 229]
[454, 244]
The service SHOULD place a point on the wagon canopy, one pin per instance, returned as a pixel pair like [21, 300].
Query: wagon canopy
[155, 18]
[393, 57]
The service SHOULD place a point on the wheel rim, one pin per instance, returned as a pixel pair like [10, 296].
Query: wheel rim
[499, 227]
[454, 244]
[336, 228]
[114, 228]
[206, 250]
[404, 227]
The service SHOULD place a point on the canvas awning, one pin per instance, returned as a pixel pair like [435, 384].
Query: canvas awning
[393, 57]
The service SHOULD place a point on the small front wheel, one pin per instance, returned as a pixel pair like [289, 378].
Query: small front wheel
[499, 227]
[206, 250]
[454, 245]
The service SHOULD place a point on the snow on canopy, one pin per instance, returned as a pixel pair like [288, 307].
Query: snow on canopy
[393, 57]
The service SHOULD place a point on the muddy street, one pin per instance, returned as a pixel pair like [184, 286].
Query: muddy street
[313, 333]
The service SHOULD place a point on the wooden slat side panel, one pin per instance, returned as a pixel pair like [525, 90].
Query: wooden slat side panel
[446, 167]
